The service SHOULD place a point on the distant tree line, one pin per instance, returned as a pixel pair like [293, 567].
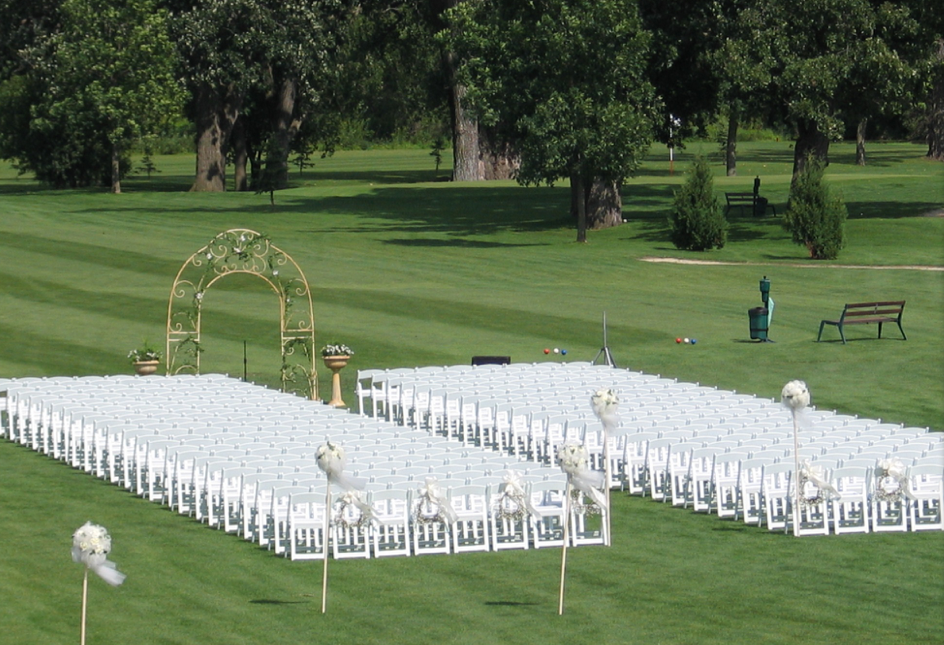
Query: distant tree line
[543, 91]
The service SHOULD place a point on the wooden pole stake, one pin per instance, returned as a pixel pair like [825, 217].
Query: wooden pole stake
[324, 550]
[560, 605]
[796, 476]
[84, 605]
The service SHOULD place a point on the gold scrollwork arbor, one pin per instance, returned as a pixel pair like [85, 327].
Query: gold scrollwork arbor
[244, 251]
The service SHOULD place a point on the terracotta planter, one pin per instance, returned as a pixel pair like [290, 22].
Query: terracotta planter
[143, 368]
[336, 362]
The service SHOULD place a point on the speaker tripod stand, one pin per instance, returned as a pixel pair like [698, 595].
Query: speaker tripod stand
[604, 352]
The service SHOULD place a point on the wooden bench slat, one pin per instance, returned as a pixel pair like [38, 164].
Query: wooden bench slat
[876, 304]
[873, 312]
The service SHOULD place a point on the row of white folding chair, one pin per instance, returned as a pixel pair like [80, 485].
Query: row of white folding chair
[765, 495]
[409, 525]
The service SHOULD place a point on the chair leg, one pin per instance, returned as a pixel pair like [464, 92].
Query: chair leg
[880, 330]
[820, 334]
[903, 337]
[842, 334]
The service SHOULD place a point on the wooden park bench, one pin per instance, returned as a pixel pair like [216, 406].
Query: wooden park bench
[758, 204]
[866, 313]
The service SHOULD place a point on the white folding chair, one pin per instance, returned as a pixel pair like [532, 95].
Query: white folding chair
[749, 496]
[926, 484]
[470, 531]
[679, 471]
[776, 492]
[657, 462]
[391, 531]
[850, 512]
[635, 474]
[510, 520]
[701, 478]
[547, 497]
[350, 528]
[305, 519]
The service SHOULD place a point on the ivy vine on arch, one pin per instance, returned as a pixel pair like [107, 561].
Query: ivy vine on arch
[244, 251]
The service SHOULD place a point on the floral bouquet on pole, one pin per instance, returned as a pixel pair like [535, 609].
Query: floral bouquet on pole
[795, 396]
[575, 462]
[331, 459]
[90, 546]
[605, 405]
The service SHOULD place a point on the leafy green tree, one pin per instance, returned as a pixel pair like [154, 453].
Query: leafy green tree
[283, 49]
[825, 53]
[928, 110]
[814, 218]
[111, 67]
[87, 88]
[697, 222]
[564, 81]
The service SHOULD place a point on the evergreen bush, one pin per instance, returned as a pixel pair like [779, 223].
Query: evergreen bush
[697, 222]
[814, 218]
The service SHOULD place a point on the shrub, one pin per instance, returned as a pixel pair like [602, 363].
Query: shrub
[814, 218]
[697, 221]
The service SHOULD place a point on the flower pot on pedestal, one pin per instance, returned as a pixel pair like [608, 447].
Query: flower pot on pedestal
[336, 364]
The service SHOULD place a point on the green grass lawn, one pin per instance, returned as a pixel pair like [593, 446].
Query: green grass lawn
[409, 269]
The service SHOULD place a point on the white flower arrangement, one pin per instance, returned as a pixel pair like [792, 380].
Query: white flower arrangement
[331, 459]
[90, 546]
[336, 349]
[603, 399]
[144, 353]
[605, 405]
[795, 395]
[91, 539]
[572, 458]
[575, 462]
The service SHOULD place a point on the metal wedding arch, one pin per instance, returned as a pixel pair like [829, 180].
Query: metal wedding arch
[241, 250]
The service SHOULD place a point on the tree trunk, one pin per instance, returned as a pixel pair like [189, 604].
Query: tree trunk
[860, 141]
[810, 142]
[936, 109]
[730, 147]
[604, 205]
[115, 169]
[216, 112]
[240, 155]
[277, 163]
[579, 199]
[499, 160]
[466, 165]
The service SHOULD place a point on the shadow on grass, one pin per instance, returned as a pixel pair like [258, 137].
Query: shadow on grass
[890, 210]
[455, 243]
[269, 601]
[509, 603]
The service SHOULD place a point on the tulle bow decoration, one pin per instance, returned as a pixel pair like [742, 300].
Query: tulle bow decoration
[816, 475]
[90, 546]
[891, 480]
[514, 497]
[605, 405]
[795, 395]
[352, 499]
[331, 460]
[575, 462]
[433, 505]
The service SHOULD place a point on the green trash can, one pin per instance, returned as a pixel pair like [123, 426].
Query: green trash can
[758, 317]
